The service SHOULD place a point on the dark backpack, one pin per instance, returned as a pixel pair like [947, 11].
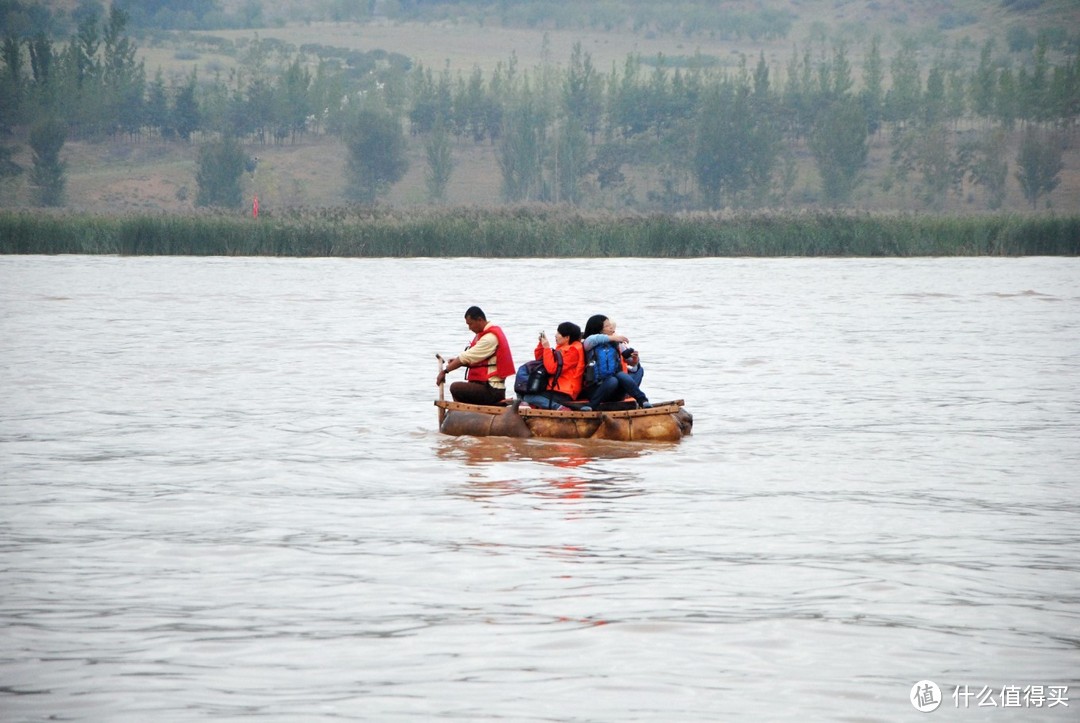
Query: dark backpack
[601, 362]
[533, 378]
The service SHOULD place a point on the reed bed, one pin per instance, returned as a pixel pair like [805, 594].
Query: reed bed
[538, 232]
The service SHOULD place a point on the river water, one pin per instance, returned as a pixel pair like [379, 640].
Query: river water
[225, 498]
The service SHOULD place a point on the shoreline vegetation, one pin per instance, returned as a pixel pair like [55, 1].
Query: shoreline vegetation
[539, 232]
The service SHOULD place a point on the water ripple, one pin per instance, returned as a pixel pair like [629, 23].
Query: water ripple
[225, 498]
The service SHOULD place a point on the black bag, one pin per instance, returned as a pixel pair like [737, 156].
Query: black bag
[533, 378]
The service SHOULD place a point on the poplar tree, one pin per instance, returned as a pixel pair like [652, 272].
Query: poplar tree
[581, 92]
[873, 93]
[185, 116]
[840, 147]
[934, 100]
[439, 151]
[47, 137]
[220, 168]
[1039, 164]
[123, 80]
[902, 100]
[734, 149]
[157, 107]
[523, 149]
[984, 159]
[293, 101]
[474, 106]
[1006, 101]
[984, 83]
[570, 161]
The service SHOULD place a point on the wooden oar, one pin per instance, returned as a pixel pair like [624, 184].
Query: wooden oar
[442, 386]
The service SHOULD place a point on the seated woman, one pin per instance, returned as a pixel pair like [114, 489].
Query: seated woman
[565, 383]
[612, 385]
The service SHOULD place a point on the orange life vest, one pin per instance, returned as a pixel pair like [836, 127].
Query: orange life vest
[569, 381]
[504, 362]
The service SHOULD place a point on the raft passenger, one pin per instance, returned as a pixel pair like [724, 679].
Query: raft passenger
[567, 354]
[621, 382]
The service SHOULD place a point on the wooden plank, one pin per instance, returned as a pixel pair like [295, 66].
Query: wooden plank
[658, 408]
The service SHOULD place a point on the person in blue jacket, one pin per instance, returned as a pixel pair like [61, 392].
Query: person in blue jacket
[626, 382]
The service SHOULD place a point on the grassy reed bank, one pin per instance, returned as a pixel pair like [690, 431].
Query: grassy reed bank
[540, 231]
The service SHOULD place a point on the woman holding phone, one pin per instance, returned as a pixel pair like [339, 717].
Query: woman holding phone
[564, 364]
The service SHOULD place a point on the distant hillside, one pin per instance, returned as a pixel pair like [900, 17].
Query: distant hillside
[383, 44]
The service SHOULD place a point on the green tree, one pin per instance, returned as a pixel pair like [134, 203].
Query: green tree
[440, 160]
[86, 42]
[259, 108]
[81, 95]
[1019, 38]
[11, 82]
[1039, 164]
[473, 103]
[582, 92]
[984, 159]
[735, 148]
[47, 138]
[937, 164]
[157, 107]
[902, 100]
[840, 74]
[571, 160]
[220, 169]
[984, 83]
[1064, 93]
[840, 147]
[41, 57]
[326, 91]
[799, 95]
[765, 135]
[607, 165]
[1006, 99]
[660, 107]
[523, 149]
[294, 103]
[185, 116]
[629, 99]
[721, 148]
[9, 170]
[123, 80]
[425, 104]
[956, 96]
[934, 100]
[873, 93]
[928, 151]
[715, 167]
[1035, 92]
[377, 157]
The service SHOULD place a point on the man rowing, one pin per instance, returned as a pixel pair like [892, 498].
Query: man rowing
[488, 363]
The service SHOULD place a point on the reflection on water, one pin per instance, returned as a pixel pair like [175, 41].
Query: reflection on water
[225, 496]
[561, 453]
[494, 457]
[568, 488]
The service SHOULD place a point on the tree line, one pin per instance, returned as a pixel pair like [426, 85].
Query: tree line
[711, 136]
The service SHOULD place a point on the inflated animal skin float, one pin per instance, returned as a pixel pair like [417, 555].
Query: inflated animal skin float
[663, 422]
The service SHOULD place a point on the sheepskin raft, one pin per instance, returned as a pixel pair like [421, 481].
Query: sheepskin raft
[663, 422]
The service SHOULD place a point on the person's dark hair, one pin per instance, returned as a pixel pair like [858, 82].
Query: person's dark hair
[570, 330]
[475, 312]
[595, 325]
